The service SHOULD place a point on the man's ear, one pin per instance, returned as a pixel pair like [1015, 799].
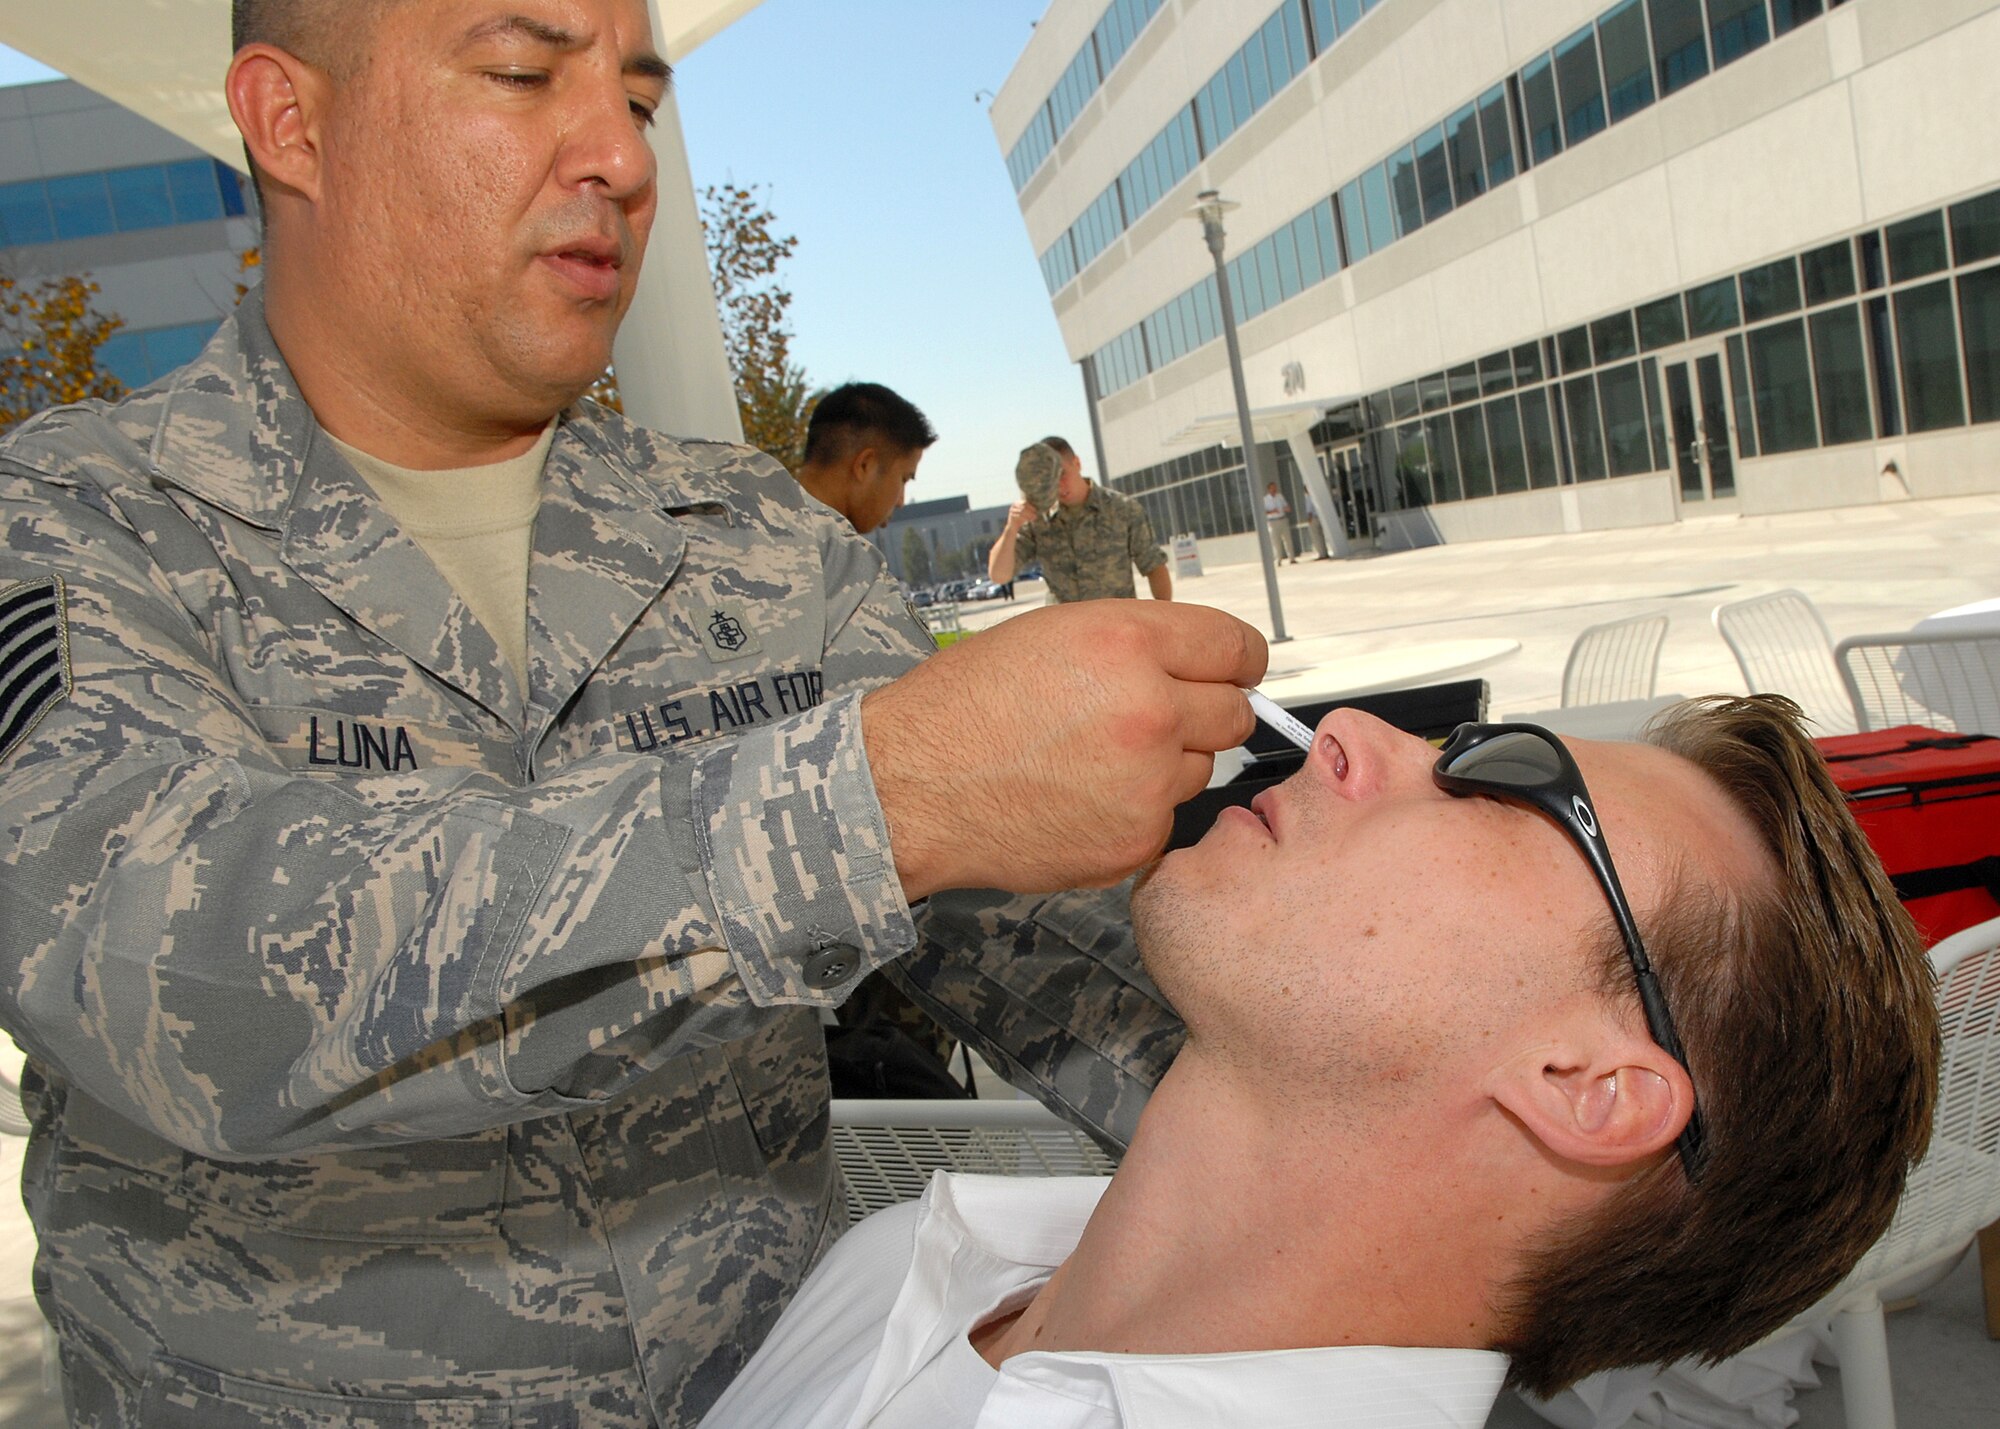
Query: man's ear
[278, 102]
[1602, 1098]
[864, 464]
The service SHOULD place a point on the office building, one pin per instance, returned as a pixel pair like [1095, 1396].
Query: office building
[1506, 268]
[87, 187]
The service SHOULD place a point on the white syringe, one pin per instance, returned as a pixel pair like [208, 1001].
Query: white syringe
[1280, 719]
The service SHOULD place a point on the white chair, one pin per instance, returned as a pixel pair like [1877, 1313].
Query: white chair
[1615, 662]
[1783, 648]
[1942, 679]
[888, 1149]
[1951, 1195]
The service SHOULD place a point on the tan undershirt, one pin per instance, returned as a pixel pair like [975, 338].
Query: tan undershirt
[477, 524]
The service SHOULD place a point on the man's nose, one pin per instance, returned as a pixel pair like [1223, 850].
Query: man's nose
[606, 147]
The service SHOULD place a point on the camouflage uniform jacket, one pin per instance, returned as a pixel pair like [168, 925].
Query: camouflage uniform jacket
[399, 1056]
[1088, 550]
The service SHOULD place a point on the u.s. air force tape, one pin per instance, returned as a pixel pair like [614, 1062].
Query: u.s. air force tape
[34, 657]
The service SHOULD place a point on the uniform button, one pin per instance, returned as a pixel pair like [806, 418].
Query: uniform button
[832, 965]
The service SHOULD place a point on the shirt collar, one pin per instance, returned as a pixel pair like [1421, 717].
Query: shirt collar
[981, 1238]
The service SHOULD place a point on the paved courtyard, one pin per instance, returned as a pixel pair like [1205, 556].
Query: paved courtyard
[1868, 569]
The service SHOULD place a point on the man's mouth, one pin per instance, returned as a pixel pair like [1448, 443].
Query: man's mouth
[592, 268]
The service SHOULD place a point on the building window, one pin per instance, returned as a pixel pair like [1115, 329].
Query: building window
[1736, 27]
[1627, 447]
[1916, 247]
[1468, 163]
[1433, 175]
[1784, 388]
[1543, 115]
[1840, 370]
[1586, 445]
[1975, 229]
[1929, 349]
[1711, 307]
[1510, 458]
[1680, 40]
[1475, 471]
[1770, 290]
[1660, 324]
[1582, 90]
[1829, 273]
[1628, 64]
[1979, 311]
[1538, 437]
[1611, 338]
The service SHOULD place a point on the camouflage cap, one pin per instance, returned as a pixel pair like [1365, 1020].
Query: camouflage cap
[1038, 473]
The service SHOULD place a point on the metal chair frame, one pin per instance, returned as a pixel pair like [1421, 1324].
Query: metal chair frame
[1616, 661]
[1943, 679]
[1782, 646]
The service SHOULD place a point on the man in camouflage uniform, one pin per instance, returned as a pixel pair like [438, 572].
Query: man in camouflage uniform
[421, 995]
[1091, 540]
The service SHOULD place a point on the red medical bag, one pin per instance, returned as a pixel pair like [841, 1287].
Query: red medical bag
[1929, 802]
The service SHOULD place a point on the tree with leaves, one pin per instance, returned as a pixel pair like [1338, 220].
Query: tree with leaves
[745, 250]
[916, 559]
[50, 333]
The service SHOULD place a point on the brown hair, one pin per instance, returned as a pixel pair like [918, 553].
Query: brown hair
[1809, 1017]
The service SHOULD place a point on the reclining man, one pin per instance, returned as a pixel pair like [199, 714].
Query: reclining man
[1447, 1117]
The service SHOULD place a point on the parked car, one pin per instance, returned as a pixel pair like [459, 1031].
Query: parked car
[954, 590]
[984, 590]
[921, 598]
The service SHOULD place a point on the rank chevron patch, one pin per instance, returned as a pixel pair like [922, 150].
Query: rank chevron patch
[34, 657]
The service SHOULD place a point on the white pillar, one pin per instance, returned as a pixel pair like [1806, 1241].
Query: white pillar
[1331, 525]
[672, 370]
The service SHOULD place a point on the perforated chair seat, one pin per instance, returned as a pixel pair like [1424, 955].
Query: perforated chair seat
[888, 1150]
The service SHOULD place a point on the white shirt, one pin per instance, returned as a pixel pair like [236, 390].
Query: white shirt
[877, 1338]
[1274, 505]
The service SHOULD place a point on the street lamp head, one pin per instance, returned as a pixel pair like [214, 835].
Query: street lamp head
[1209, 206]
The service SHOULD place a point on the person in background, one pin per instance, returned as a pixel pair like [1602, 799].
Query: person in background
[1088, 539]
[863, 445]
[1278, 517]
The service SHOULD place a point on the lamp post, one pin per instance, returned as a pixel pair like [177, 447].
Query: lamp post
[1209, 208]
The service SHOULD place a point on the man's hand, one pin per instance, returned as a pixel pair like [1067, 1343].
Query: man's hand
[1050, 750]
[1020, 514]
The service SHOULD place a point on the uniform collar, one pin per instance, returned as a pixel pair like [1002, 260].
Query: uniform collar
[201, 443]
[235, 432]
[1089, 503]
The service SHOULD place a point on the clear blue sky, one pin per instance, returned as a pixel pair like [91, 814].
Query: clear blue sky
[858, 122]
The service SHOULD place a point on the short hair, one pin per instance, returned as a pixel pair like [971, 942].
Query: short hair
[1808, 1013]
[1060, 445]
[862, 414]
[328, 34]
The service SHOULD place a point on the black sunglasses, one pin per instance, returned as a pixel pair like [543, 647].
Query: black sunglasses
[1525, 764]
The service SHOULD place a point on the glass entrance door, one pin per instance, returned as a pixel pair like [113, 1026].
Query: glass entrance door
[1348, 484]
[1699, 411]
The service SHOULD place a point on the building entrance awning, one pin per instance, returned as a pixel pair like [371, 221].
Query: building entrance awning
[1267, 424]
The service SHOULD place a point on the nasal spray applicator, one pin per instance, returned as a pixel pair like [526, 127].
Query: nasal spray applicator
[1280, 719]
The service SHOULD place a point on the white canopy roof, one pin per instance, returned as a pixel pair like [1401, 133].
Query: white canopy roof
[165, 58]
[1267, 424]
